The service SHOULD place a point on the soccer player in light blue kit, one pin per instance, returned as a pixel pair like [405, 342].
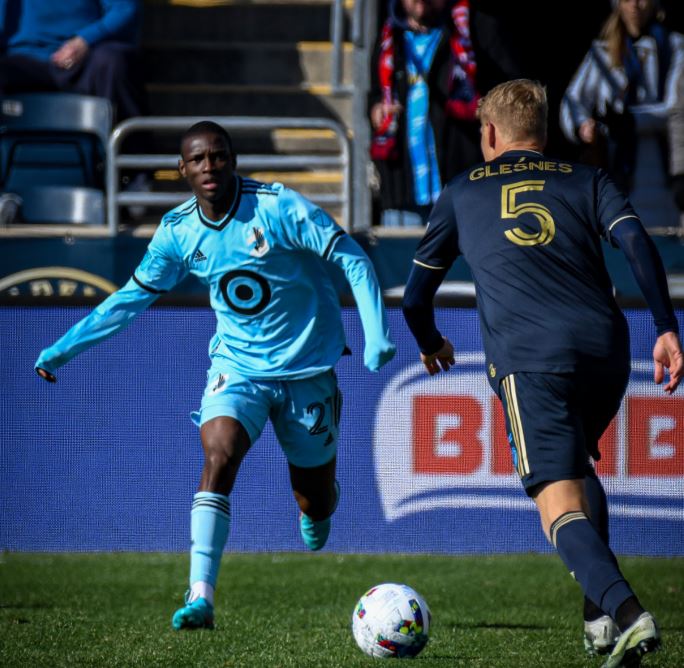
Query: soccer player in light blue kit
[260, 248]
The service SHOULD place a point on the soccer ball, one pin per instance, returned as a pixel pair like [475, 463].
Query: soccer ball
[391, 621]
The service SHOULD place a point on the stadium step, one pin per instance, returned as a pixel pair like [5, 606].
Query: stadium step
[318, 182]
[281, 141]
[309, 183]
[240, 60]
[232, 100]
[304, 141]
[249, 58]
[244, 63]
[238, 22]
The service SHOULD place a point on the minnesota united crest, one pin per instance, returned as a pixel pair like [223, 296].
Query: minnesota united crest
[258, 241]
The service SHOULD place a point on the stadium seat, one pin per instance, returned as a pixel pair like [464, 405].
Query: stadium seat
[49, 140]
[62, 205]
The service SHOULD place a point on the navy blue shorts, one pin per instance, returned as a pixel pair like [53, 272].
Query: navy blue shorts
[554, 421]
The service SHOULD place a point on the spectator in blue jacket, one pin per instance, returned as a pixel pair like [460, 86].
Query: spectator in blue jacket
[79, 46]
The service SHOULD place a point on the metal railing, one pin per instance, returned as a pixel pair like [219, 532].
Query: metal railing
[363, 34]
[117, 161]
[337, 57]
[364, 29]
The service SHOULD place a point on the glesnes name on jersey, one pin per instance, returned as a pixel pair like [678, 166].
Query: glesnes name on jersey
[523, 165]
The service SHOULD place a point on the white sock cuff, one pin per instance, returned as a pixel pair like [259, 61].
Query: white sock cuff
[201, 590]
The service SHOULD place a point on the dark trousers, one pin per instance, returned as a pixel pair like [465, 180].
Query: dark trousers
[111, 70]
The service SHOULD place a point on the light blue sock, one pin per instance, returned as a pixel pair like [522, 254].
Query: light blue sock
[209, 525]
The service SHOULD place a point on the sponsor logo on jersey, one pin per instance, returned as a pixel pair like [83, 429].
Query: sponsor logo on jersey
[442, 443]
[199, 256]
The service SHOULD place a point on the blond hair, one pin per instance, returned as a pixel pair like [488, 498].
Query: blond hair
[518, 107]
[614, 32]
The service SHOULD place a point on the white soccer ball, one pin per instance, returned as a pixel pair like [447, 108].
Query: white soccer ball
[391, 621]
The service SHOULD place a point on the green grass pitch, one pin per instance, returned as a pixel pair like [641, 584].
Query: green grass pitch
[295, 610]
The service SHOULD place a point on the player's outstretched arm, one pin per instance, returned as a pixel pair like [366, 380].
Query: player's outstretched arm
[667, 354]
[110, 317]
[159, 271]
[358, 269]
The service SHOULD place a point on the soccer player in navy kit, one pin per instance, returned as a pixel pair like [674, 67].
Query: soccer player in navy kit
[556, 343]
[261, 249]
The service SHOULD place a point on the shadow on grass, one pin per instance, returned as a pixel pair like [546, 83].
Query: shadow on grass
[488, 625]
[671, 627]
[26, 606]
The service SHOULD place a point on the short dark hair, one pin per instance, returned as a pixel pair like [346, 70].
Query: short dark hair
[207, 127]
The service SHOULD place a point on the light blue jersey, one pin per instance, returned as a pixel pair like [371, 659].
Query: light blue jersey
[277, 311]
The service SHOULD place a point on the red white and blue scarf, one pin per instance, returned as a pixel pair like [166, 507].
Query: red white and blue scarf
[463, 96]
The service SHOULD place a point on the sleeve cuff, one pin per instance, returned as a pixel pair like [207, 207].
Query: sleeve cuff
[671, 326]
[91, 35]
[433, 345]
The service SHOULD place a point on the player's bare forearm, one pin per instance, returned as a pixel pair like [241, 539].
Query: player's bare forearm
[667, 354]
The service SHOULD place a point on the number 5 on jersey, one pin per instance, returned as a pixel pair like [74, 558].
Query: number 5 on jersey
[509, 209]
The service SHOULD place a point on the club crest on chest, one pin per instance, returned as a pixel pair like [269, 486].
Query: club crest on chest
[259, 243]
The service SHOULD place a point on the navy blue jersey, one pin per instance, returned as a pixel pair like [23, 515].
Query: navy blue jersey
[530, 229]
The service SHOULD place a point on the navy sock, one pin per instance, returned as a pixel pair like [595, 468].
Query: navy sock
[628, 613]
[598, 503]
[591, 610]
[598, 507]
[590, 561]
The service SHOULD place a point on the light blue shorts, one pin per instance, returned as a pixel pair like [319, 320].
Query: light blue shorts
[305, 413]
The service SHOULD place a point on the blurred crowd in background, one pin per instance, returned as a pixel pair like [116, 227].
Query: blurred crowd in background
[612, 69]
[613, 73]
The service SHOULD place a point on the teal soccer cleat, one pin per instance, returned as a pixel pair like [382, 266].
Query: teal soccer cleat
[640, 638]
[196, 615]
[315, 532]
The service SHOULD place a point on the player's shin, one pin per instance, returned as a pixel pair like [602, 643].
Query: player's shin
[210, 523]
[597, 502]
[590, 561]
[598, 514]
[315, 532]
